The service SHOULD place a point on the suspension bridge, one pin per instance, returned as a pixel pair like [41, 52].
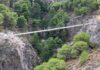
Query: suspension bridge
[53, 29]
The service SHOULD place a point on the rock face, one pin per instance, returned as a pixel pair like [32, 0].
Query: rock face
[92, 64]
[94, 30]
[75, 20]
[15, 54]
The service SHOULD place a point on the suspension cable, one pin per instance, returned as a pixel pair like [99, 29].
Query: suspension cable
[53, 29]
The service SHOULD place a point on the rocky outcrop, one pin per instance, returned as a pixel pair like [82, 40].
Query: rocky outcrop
[15, 54]
[93, 63]
[75, 20]
[94, 30]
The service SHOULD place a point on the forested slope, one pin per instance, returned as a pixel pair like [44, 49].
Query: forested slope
[31, 15]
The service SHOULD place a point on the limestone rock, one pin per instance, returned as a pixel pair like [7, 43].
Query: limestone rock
[15, 54]
[94, 30]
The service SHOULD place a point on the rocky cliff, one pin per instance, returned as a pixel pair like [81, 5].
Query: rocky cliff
[94, 57]
[15, 54]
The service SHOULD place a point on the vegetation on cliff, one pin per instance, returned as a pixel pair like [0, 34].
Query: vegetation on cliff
[29, 15]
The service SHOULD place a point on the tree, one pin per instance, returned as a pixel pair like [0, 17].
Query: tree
[80, 46]
[84, 6]
[10, 17]
[49, 47]
[59, 19]
[52, 64]
[58, 5]
[36, 41]
[22, 7]
[82, 10]
[66, 52]
[36, 11]
[43, 5]
[36, 23]
[21, 22]
[1, 19]
[83, 57]
[82, 37]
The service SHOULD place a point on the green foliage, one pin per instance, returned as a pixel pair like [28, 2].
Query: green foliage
[80, 46]
[36, 11]
[84, 6]
[10, 17]
[35, 41]
[45, 48]
[57, 5]
[41, 67]
[82, 10]
[79, 6]
[59, 19]
[36, 23]
[49, 47]
[21, 22]
[4, 9]
[1, 18]
[22, 7]
[43, 5]
[84, 57]
[66, 52]
[52, 64]
[82, 37]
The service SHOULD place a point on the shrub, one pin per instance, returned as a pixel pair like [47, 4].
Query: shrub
[56, 64]
[82, 10]
[10, 17]
[59, 18]
[82, 37]
[21, 22]
[52, 64]
[1, 19]
[80, 46]
[41, 67]
[84, 57]
[35, 41]
[22, 7]
[66, 52]
[84, 6]
[49, 47]
[74, 53]
[57, 5]
[36, 23]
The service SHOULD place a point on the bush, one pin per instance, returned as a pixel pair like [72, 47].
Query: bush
[59, 18]
[82, 10]
[49, 47]
[66, 52]
[21, 22]
[82, 37]
[36, 23]
[84, 6]
[57, 5]
[10, 17]
[84, 57]
[74, 53]
[1, 19]
[35, 41]
[80, 46]
[41, 67]
[52, 64]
